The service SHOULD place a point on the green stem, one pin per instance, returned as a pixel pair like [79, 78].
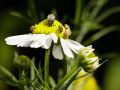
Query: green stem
[46, 66]
[72, 78]
[67, 76]
[25, 87]
[78, 11]
[64, 65]
[32, 73]
[82, 33]
[95, 12]
[40, 78]
[97, 8]
[22, 79]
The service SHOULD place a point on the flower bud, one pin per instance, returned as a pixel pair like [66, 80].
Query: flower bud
[87, 58]
[22, 62]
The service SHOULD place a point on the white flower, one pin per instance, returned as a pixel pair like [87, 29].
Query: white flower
[68, 46]
[44, 41]
[46, 32]
[32, 40]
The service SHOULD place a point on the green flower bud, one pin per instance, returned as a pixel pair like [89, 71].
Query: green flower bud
[87, 58]
[22, 62]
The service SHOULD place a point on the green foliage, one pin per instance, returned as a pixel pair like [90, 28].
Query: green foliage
[90, 20]
[7, 76]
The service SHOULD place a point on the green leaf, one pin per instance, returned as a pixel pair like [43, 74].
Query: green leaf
[37, 74]
[7, 76]
[79, 5]
[40, 70]
[86, 27]
[87, 8]
[97, 8]
[19, 15]
[52, 82]
[107, 13]
[100, 34]
[32, 11]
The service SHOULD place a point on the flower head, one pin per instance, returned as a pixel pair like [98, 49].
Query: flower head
[88, 59]
[42, 36]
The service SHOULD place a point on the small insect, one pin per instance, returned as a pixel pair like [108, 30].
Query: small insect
[51, 18]
[60, 28]
[67, 30]
[67, 26]
[32, 28]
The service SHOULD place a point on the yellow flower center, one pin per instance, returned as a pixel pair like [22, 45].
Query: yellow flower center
[47, 27]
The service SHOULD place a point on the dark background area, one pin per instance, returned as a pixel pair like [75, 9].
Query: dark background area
[10, 25]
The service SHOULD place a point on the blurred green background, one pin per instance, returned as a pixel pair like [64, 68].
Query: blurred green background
[95, 22]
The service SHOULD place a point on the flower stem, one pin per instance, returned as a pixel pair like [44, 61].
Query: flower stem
[22, 79]
[46, 66]
[67, 76]
[65, 65]
[37, 73]
[72, 78]
[32, 73]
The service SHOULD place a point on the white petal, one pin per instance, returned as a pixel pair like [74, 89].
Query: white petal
[57, 52]
[19, 40]
[66, 48]
[24, 43]
[54, 37]
[35, 44]
[75, 46]
[92, 60]
[90, 47]
[48, 41]
[96, 64]
[70, 45]
[38, 40]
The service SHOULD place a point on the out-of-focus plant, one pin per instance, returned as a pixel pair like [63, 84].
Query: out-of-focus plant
[89, 18]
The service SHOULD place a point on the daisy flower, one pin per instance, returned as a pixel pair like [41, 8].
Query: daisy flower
[43, 34]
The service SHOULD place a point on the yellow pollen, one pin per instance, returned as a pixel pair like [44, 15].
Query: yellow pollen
[44, 28]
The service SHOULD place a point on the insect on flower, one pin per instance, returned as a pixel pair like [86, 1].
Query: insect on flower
[60, 28]
[67, 30]
[51, 18]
